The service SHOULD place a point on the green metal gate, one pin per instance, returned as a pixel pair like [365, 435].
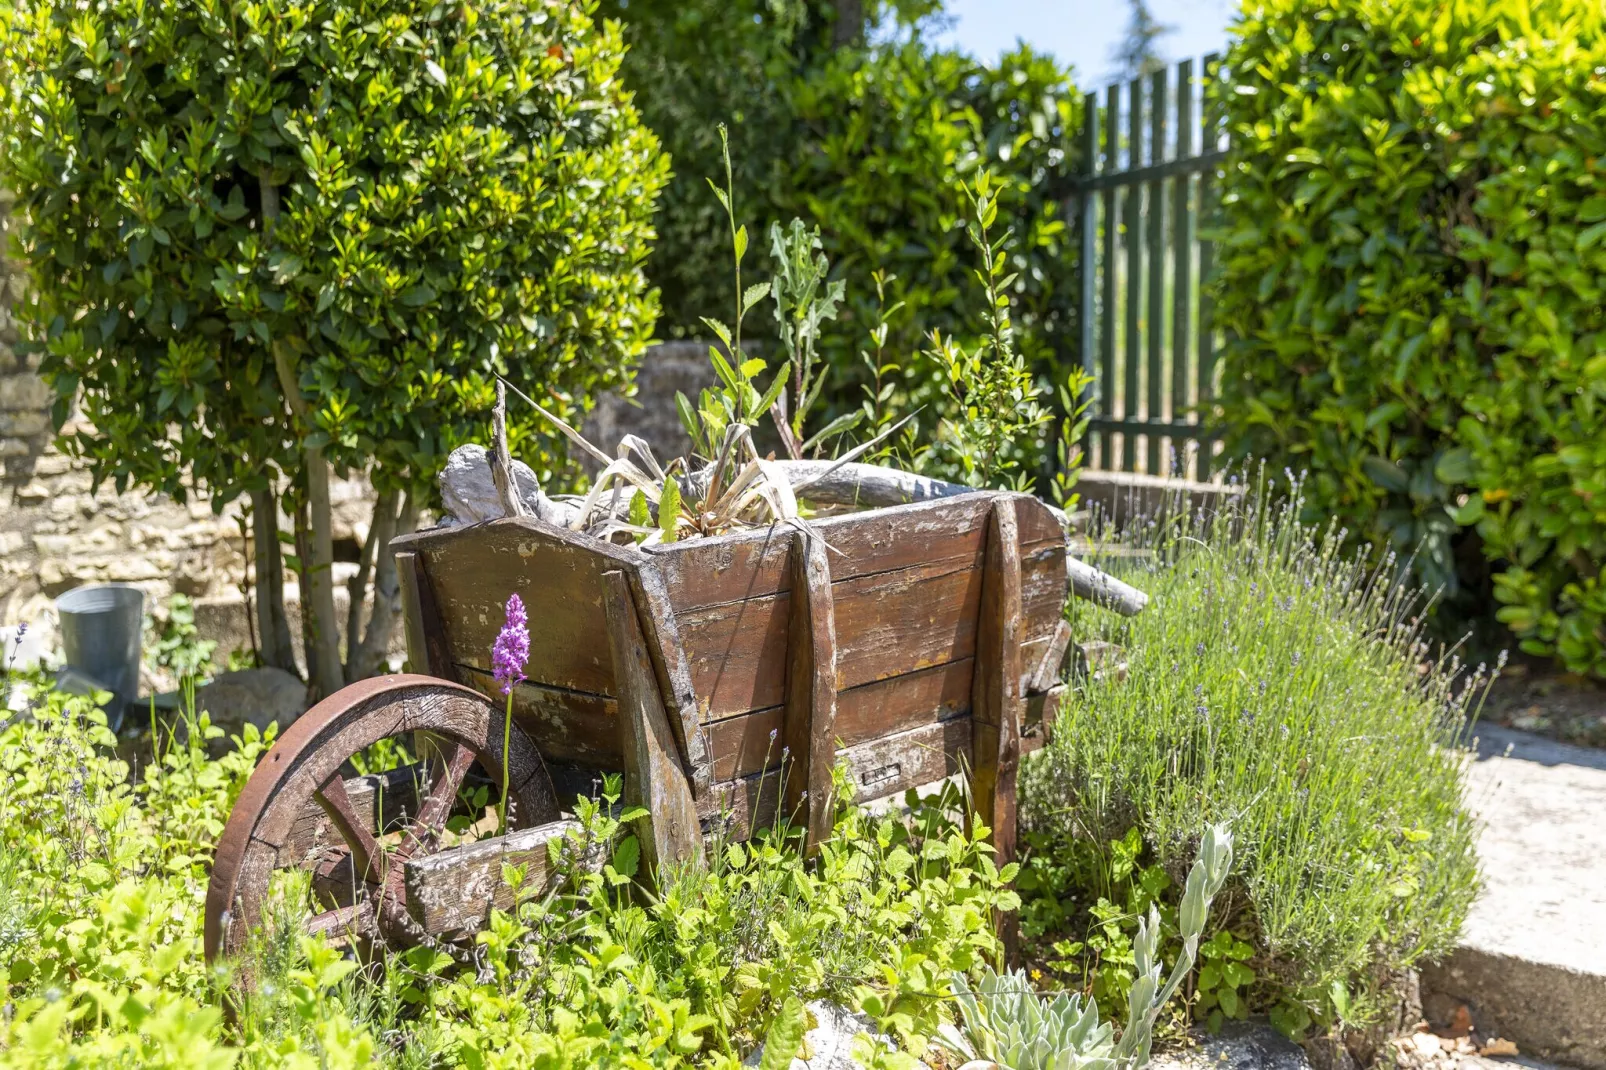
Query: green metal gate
[1152, 151]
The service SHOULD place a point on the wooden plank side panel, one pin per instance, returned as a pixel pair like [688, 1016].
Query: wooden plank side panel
[451, 893]
[886, 766]
[887, 624]
[557, 574]
[709, 572]
[658, 620]
[654, 777]
[568, 726]
[995, 701]
[746, 745]
[752, 564]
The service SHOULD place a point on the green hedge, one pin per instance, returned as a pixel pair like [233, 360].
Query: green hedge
[1414, 250]
[870, 144]
[887, 138]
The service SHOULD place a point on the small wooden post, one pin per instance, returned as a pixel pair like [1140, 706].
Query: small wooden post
[427, 648]
[995, 692]
[501, 461]
[674, 674]
[809, 721]
[654, 778]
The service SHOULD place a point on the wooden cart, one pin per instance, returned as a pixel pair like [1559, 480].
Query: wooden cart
[908, 642]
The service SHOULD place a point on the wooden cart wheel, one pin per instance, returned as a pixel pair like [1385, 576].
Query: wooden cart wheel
[297, 809]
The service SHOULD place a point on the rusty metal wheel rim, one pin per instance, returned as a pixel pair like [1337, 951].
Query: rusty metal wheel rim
[303, 767]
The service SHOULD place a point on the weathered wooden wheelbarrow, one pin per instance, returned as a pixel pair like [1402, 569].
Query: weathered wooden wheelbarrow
[906, 641]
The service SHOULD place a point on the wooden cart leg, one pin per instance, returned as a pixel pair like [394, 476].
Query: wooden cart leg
[995, 693]
[654, 777]
[809, 722]
[662, 634]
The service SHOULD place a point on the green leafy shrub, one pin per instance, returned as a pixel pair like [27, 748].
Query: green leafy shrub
[889, 138]
[1273, 683]
[1412, 268]
[871, 145]
[262, 241]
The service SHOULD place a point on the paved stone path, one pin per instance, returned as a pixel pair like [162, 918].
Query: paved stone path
[1532, 965]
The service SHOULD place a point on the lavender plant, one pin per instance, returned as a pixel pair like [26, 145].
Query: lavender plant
[1276, 683]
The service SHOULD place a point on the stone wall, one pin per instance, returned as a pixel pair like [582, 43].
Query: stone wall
[55, 533]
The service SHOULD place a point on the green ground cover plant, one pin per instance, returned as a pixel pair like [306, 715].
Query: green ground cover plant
[1413, 253]
[103, 872]
[1275, 684]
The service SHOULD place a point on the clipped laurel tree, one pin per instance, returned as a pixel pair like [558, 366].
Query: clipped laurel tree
[267, 241]
[1413, 262]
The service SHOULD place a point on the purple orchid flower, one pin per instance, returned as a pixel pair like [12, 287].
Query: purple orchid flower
[512, 648]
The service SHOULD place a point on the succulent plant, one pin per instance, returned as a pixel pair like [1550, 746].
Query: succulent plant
[1007, 1024]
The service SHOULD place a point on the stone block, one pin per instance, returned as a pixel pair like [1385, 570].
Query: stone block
[258, 697]
[53, 462]
[25, 391]
[1532, 962]
[24, 424]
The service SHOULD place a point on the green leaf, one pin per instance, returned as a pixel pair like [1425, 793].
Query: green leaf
[1385, 473]
[740, 242]
[755, 293]
[1455, 467]
[784, 1040]
[839, 426]
[626, 857]
[435, 72]
[727, 374]
[669, 509]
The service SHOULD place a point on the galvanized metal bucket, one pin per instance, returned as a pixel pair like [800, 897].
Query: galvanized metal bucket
[101, 626]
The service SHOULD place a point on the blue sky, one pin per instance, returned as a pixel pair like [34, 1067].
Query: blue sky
[1083, 32]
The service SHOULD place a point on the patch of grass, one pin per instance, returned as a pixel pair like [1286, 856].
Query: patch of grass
[1276, 686]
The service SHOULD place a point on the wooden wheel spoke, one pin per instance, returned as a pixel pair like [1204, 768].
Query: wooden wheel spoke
[366, 854]
[426, 828]
[355, 920]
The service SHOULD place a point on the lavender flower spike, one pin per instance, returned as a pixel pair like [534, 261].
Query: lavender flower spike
[512, 647]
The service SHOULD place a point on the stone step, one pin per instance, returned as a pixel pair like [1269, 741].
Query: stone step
[1532, 962]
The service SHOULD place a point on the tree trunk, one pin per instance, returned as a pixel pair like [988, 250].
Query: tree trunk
[314, 540]
[318, 596]
[380, 528]
[849, 27]
[387, 597]
[278, 651]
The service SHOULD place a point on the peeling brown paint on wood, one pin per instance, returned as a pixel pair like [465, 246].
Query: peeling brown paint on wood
[654, 776]
[995, 693]
[451, 893]
[809, 716]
